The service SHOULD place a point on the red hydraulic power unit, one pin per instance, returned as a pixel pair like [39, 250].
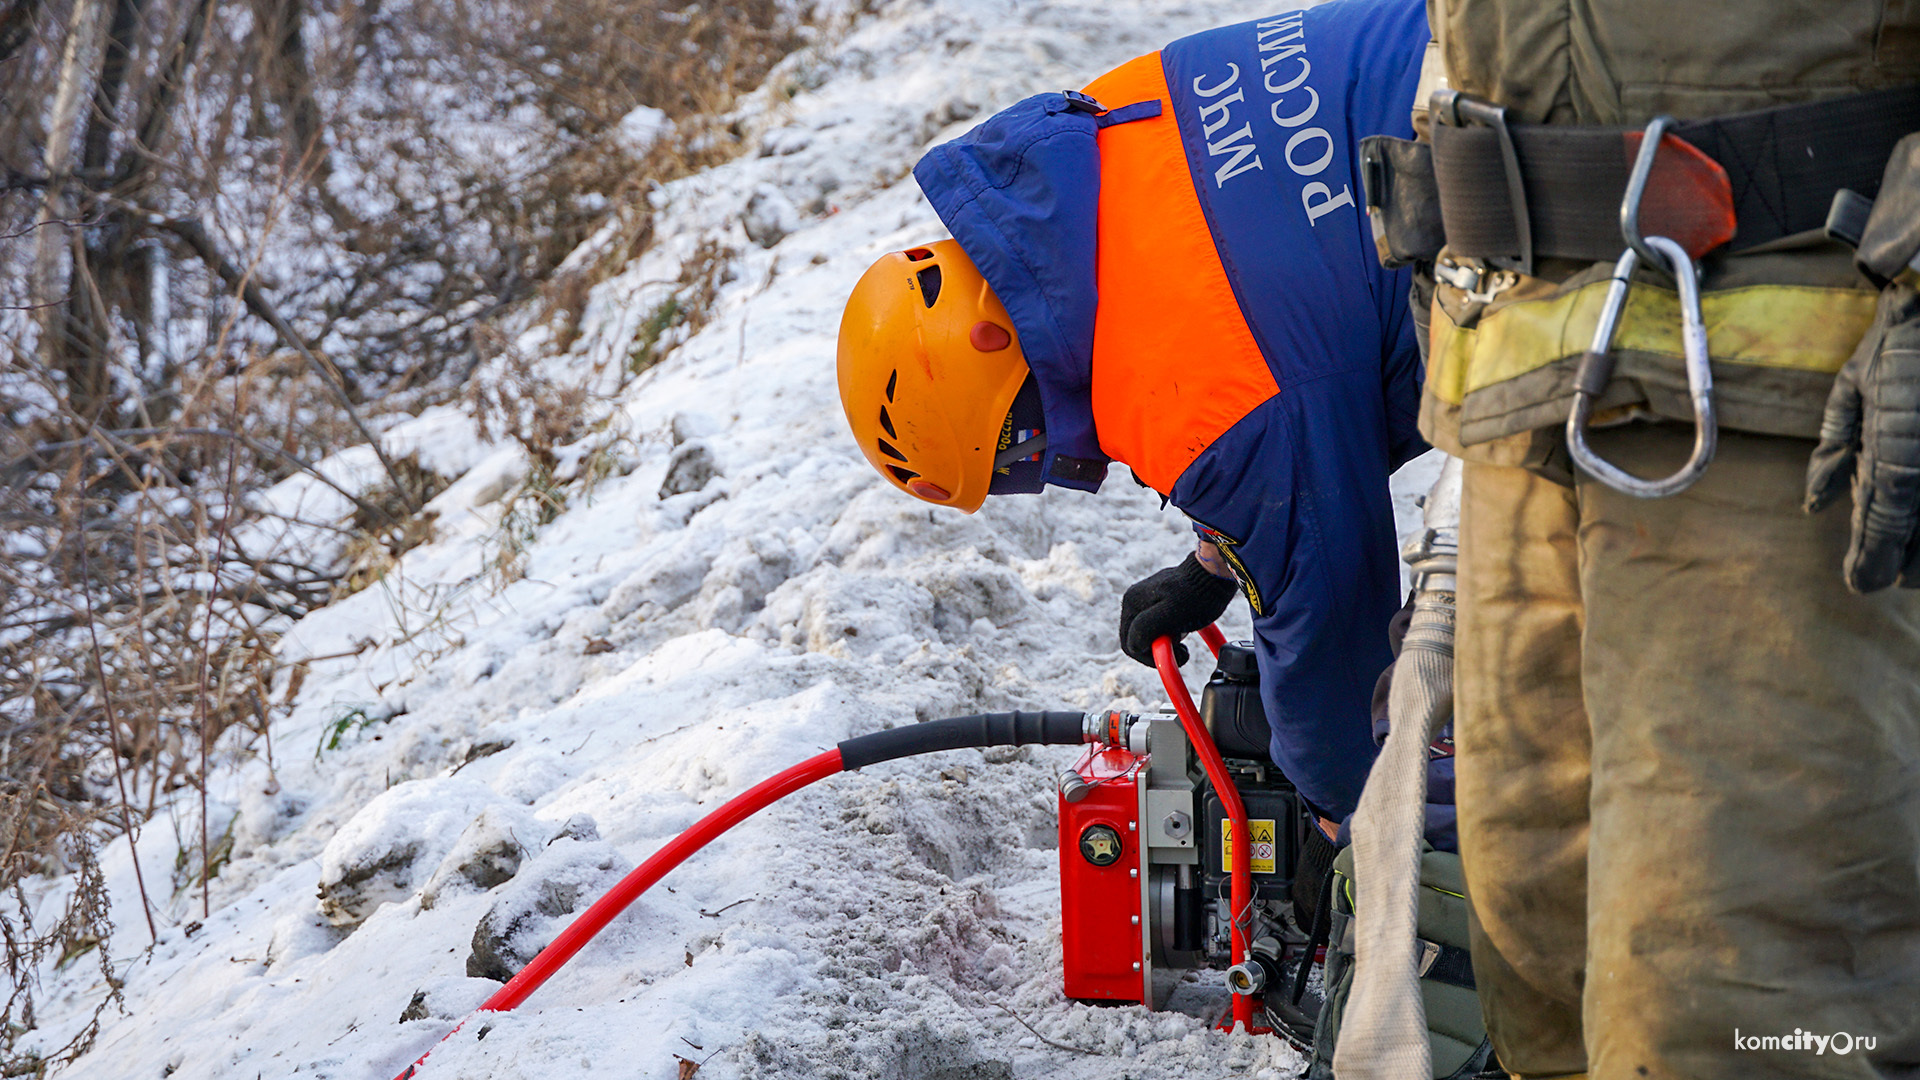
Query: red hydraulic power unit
[1102, 886]
[1146, 888]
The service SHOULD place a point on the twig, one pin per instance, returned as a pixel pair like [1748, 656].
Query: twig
[206, 665]
[113, 731]
[718, 912]
[1036, 1034]
[352, 1026]
[688, 1066]
[365, 644]
[71, 223]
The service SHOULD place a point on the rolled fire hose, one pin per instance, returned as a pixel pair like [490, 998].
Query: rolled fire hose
[1383, 1035]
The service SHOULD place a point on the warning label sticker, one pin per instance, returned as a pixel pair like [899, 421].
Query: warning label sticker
[1263, 856]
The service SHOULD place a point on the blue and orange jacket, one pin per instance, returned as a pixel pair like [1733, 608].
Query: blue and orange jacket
[1192, 277]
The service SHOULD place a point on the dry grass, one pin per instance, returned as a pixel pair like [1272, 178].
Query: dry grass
[77, 937]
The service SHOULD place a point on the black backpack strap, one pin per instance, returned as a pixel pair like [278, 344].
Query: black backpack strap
[1447, 964]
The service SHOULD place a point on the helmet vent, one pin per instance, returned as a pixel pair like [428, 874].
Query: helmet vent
[903, 475]
[887, 422]
[887, 449]
[918, 254]
[929, 284]
[891, 380]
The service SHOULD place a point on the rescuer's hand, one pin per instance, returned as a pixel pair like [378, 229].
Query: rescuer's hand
[1172, 603]
[1870, 436]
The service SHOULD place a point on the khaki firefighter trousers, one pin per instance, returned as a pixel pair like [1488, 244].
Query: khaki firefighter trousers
[1689, 775]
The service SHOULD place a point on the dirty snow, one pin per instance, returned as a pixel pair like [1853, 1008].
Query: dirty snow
[736, 594]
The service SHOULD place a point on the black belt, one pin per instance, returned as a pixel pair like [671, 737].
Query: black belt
[1782, 166]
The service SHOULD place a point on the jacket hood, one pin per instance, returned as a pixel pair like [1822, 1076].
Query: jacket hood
[1021, 195]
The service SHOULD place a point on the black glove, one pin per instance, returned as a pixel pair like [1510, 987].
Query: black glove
[1172, 603]
[1870, 436]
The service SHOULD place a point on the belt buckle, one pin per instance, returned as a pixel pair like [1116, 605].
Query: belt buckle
[1429, 952]
[1455, 109]
[1082, 103]
[1478, 286]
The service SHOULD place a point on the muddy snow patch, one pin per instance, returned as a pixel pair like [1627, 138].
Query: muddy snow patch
[691, 468]
[383, 851]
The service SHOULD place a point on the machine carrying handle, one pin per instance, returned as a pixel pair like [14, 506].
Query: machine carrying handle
[1214, 638]
[1240, 895]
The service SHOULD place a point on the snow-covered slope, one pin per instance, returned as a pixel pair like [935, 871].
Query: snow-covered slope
[505, 752]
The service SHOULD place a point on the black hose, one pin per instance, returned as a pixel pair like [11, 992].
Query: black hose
[955, 733]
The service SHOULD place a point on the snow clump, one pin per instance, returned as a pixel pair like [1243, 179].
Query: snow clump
[379, 854]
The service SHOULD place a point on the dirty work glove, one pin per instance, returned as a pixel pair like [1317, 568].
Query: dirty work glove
[1172, 603]
[1870, 436]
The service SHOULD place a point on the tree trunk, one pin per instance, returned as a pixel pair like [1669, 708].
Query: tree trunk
[100, 254]
[51, 235]
[106, 94]
[157, 114]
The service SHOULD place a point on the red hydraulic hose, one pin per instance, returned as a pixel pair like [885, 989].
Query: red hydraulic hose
[705, 831]
[595, 918]
[953, 733]
[1240, 896]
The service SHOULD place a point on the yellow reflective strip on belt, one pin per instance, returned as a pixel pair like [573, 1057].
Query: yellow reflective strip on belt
[1801, 327]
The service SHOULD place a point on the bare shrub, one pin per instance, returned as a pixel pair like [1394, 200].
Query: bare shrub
[237, 236]
[263, 234]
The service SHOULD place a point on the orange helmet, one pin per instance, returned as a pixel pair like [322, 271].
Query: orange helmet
[929, 370]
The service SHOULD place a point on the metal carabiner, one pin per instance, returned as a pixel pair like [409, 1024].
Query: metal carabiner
[1596, 367]
[1637, 190]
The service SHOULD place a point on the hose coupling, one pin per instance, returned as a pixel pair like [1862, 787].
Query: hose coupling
[1247, 977]
[1258, 971]
[1105, 728]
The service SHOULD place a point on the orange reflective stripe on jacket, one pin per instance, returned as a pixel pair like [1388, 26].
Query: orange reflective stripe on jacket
[1174, 364]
